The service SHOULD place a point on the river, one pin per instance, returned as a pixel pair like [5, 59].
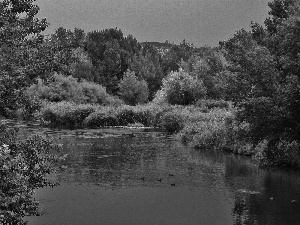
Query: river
[145, 177]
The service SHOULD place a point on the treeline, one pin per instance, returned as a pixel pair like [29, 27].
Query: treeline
[110, 59]
[104, 57]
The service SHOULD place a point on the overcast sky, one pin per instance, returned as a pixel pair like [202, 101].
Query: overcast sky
[202, 22]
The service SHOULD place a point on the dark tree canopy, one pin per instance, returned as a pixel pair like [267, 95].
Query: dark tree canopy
[110, 53]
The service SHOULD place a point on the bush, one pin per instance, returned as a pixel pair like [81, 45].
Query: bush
[114, 101]
[267, 119]
[24, 166]
[69, 89]
[180, 88]
[66, 114]
[211, 103]
[145, 115]
[125, 115]
[75, 117]
[208, 134]
[216, 129]
[171, 122]
[212, 135]
[132, 90]
[94, 93]
[29, 107]
[279, 153]
[102, 117]
[10, 95]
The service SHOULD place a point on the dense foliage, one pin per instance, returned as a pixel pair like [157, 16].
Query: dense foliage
[64, 88]
[180, 88]
[147, 65]
[265, 70]
[21, 54]
[23, 167]
[132, 90]
[110, 53]
[23, 164]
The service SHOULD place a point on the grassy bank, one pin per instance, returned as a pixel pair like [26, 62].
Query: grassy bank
[71, 115]
[171, 118]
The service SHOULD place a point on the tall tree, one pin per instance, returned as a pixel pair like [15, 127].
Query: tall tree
[175, 54]
[20, 49]
[147, 66]
[110, 53]
[252, 67]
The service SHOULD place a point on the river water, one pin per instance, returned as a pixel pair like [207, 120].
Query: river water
[144, 177]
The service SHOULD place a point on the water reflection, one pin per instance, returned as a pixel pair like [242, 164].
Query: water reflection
[142, 177]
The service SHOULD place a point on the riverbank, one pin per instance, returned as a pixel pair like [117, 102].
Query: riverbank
[171, 118]
[210, 125]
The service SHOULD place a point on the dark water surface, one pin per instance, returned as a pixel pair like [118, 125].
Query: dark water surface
[144, 177]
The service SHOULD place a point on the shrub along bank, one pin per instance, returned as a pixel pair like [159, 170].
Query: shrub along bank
[24, 168]
[71, 115]
[219, 129]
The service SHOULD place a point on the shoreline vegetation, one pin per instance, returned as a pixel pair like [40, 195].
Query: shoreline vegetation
[209, 124]
[242, 96]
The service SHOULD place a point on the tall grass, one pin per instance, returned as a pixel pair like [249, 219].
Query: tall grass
[66, 114]
[198, 128]
[104, 116]
[215, 129]
[146, 115]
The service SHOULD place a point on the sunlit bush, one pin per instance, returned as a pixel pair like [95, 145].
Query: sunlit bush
[132, 90]
[211, 103]
[125, 115]
[180, 88]
[212, 136]
[102, 117]
[114, 101]
[144, 115]
[66, 113]
[70, 89]
[216, 129]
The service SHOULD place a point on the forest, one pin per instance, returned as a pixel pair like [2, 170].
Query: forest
[242, 96]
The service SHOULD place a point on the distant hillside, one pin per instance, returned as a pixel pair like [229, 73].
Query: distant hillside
[156, 44]
[165, 45]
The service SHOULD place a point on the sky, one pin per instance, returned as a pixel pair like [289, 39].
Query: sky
[201, 22]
